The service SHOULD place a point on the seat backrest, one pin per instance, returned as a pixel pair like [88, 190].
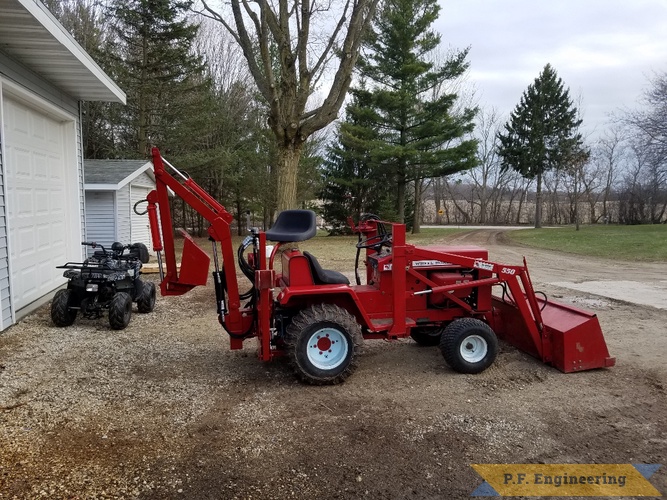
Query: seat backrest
[293, 225]
[324, 276]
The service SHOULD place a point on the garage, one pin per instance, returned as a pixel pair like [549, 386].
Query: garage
[44, 76]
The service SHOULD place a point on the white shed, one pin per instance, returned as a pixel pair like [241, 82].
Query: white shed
[112, 189]
[44, 74]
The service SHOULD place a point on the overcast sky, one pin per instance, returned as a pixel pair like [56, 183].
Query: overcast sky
[604, 51]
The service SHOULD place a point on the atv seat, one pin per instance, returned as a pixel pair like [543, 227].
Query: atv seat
[293, 225]
[324, 276]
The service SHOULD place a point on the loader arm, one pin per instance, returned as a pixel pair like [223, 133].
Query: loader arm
[194, 261]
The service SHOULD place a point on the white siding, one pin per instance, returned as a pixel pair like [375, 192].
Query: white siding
[100, 218]
[5, 302]
[124, 221]
[82, 197]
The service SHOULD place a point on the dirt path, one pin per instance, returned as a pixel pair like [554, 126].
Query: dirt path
[165, 410]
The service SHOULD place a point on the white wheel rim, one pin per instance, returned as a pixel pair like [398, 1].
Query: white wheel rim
[473, 349]
[327, 348]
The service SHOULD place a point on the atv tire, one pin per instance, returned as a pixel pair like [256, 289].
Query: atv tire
[469, 345]
[61, 314]
[120, 310]
[140, 250]
[146, 298]
[322, 344]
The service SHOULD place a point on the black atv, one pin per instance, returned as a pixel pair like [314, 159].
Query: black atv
[106, 280]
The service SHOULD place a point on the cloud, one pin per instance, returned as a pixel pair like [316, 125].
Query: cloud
[603, 50]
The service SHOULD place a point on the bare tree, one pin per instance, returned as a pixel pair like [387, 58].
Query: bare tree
[488, 177]
[288, 57]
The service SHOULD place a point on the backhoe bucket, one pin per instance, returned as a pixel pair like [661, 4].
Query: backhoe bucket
[194, 264]
[571, 339]
[193, 270]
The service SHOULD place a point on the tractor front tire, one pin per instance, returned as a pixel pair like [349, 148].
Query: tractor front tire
[427, 337]
[322, 344]
[469, 345]
[120, 310]
[146, 299]
[61, 314]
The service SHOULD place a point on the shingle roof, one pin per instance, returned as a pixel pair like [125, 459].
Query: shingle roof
[110, 171]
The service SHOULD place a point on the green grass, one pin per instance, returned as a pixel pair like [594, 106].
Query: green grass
[644, 243]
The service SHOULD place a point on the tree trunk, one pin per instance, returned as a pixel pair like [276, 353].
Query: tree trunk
[437, 199]
[576, 199]
[142, 133]
[400, 199]
[538, 202]
[288, 172]
[239, 216]
[416, 218]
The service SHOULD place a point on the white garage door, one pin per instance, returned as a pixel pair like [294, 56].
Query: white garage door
[140, 226]
[36, 188]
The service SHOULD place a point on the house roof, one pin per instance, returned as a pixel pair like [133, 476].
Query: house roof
[30, 34]
[110, 175]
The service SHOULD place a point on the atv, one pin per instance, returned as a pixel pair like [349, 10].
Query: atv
[106, 280]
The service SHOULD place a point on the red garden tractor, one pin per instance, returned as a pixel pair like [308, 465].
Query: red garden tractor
[438, 295]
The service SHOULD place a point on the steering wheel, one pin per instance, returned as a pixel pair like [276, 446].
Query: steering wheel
[375, 241]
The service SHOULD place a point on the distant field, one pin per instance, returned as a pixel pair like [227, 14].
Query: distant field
[645, 243]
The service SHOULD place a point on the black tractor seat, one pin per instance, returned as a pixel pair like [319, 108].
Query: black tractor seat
[293, 225]
[324, 276]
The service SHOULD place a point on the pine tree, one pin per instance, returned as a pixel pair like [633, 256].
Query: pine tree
[352, 184]
[421, 135]
[541, 134]
[157, 68]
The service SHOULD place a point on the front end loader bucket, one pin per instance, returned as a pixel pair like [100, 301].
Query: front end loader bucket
[571, 339]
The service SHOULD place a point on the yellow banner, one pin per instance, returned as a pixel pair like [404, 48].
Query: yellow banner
[590, 480]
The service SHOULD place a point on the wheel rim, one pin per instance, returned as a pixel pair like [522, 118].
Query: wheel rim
[327, 348]
[473, 349]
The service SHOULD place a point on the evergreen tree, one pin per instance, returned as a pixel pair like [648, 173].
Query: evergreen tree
[541, 134]
[420, 135]
[157, 68]
[352, 184]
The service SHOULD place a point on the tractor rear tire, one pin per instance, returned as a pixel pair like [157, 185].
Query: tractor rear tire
[469, 345]
[427, 337]
[61, 314]
[323, 342]
[146, 299]
[120, 310]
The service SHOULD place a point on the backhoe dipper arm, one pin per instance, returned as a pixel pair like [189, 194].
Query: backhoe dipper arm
[194, 262]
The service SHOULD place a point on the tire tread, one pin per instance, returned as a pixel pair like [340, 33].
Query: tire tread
[322, 313]
[451, 339]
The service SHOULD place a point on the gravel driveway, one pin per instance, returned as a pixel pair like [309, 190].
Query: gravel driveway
[163, 409]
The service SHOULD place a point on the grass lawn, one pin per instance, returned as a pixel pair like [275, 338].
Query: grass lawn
[645, 243]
